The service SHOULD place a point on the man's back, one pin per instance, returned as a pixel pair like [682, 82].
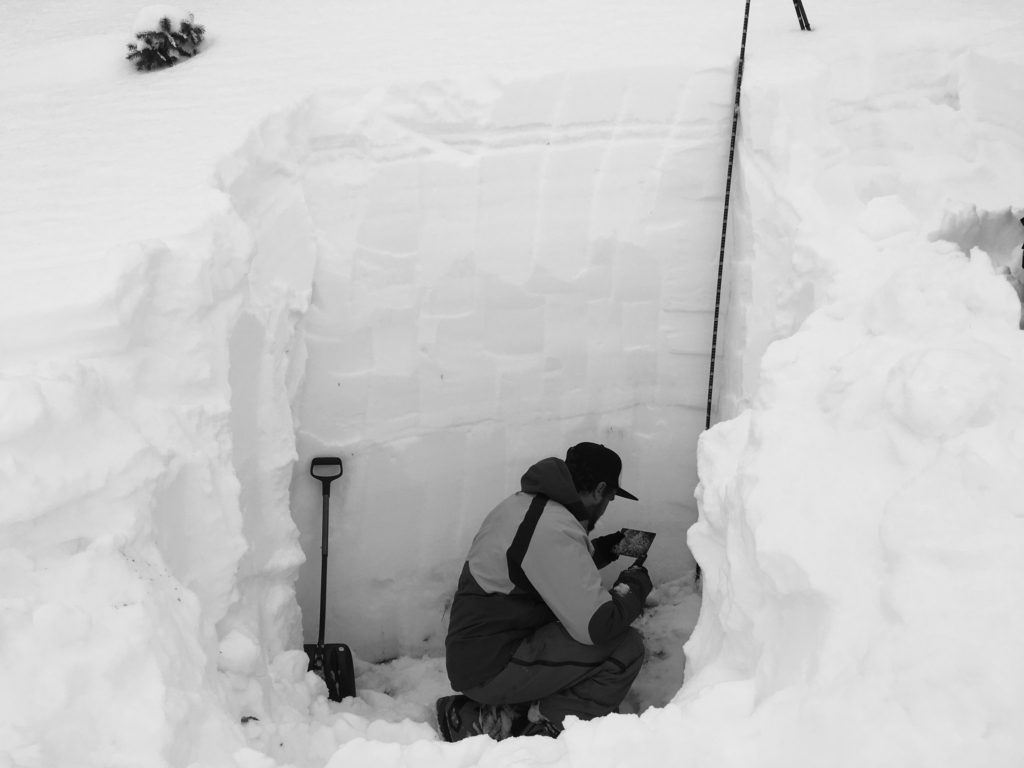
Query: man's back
[490, 614]
[531, 563]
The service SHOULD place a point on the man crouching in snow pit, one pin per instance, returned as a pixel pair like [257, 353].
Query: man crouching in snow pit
[533, 637]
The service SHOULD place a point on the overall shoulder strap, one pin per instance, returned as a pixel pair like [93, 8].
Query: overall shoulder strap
[521, 542]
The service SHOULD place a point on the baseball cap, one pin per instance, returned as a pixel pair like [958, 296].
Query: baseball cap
[603, 462]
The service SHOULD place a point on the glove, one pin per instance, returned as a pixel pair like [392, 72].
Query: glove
[638, 580]
[604, 547]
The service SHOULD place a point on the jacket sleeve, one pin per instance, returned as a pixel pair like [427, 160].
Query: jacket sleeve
[559, 565]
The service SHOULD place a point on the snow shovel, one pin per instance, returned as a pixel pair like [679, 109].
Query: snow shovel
[333, 661]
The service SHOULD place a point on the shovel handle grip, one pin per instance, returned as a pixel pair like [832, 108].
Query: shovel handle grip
[326, 469]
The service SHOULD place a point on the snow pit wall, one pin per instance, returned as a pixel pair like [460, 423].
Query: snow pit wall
[860, 521]
[494, 272]
[885, 146]
[124, 553]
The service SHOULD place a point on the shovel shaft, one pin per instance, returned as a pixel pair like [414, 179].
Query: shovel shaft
[332, 662]
[326, 469]
[323, 564]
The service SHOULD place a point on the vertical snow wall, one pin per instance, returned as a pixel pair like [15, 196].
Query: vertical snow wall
[493, 271]
[860, 520]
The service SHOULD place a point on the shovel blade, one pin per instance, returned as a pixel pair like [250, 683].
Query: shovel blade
[333, 663]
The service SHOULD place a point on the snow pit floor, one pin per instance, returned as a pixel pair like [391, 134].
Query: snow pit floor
[395, 701]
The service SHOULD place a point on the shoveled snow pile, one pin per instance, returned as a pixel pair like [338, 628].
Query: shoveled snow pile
[862, 530]
[205, 282]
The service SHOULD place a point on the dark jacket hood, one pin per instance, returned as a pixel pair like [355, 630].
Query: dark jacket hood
[551, 478]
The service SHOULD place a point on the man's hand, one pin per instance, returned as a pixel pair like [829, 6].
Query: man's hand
[638, 580]
[604, 547]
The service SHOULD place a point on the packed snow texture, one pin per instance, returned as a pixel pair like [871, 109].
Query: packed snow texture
[495, 274]
[444, 277]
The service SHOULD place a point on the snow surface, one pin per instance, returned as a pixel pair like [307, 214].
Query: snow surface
[445, 239]
[149, 17]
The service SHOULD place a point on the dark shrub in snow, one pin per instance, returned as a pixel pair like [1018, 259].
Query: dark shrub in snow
[171, 40]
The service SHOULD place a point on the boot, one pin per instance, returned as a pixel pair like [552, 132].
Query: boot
[459, 717]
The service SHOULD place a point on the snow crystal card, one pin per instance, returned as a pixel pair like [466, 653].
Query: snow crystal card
[634, 543]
